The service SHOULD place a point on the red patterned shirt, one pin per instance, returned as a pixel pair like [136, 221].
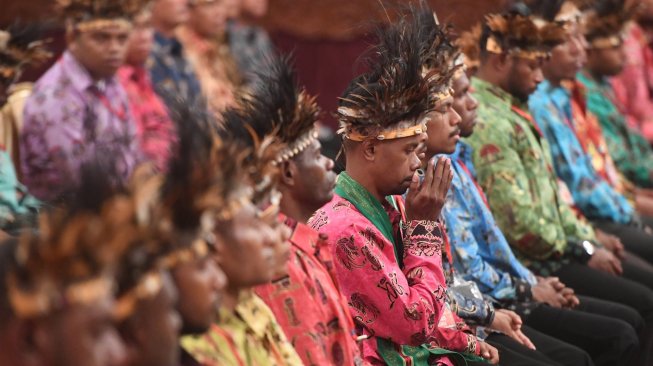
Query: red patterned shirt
[404, 304]
[308, 306]
[154, 127]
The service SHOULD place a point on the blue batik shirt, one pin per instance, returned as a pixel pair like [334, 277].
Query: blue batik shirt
[172, 75]
[550, 106]
[481, 252]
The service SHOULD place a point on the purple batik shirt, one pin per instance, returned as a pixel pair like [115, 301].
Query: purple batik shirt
[69, 119]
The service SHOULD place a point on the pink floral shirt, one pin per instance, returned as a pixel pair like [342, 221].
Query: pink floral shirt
[403, 304]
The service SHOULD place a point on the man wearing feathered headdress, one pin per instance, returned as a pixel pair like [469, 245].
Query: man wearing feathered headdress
[633, 86]
[78, 106]
[387, 254]
[514, 168]
[307, 298]
[628, 148]
[256, 248]
[57, 287]
[594, 196]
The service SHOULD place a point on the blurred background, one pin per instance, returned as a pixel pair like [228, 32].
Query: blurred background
[327, 37]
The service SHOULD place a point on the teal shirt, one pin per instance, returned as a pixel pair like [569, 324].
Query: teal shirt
[630, 151]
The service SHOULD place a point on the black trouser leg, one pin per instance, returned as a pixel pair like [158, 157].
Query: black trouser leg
[589, 282]
[513, 353]
[609, 341]
[634, 239]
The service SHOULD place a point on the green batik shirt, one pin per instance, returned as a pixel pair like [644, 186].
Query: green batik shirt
[514, 168]
[628, 148]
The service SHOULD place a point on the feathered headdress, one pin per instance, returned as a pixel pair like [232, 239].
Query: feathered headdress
[94, 14]
[389, 101]
[605, 23]
[21, 45]
[469, 43]
[439, 54]
[205, 180]
[285, 110]
[555, 18]
[74, 257]
[519, 33]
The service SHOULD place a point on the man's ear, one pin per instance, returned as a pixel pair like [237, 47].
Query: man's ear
[288, 172]
[501, 62]
[370, 149]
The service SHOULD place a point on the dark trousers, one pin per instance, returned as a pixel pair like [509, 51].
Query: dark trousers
[589, 282]
[600, 328]
[549, 351]
[635, 240]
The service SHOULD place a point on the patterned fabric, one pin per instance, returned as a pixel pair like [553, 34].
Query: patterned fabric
[70, 118]
[551, 109]
[250, 46]
[633, 86]
[215, 68]
[589, 133]
[17, 206]
[513, 166]
[247, 336]
[172, 75]
[480, 251]
[313, 314]
[154, 128]
[628, 148]
[392, 305]
[11, 121]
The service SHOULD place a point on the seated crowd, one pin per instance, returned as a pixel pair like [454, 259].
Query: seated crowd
[164, 198]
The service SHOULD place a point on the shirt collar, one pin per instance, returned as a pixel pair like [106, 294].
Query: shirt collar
[79, 75]
[498, 97]
[165, 44]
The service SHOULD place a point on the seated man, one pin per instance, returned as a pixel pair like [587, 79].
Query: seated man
[481, 254]
[172, 75]
[57, 302]
[630, 151]
[202, 189]
[551, 107]
[390, 268]
[633, 85]
[513, 166]
[78, 107]
[154, 128]
[251, 245]
[23, 47]
[307, 302]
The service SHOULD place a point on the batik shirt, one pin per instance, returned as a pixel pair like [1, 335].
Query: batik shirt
[250, 46]
[215, 68]
[628, 148]
[17, 207]
[589, 133]
[480, 251]
[513, 166]
[632, 88]
[154, 128]
[246, 336]
[172, 75]
[399, 305]
[551, 109]
[307, 304]
[70, 118]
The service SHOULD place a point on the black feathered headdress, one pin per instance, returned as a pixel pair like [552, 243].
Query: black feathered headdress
[390, 100]
[20, 45]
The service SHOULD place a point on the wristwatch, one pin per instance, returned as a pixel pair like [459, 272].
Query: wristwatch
[589, 247]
